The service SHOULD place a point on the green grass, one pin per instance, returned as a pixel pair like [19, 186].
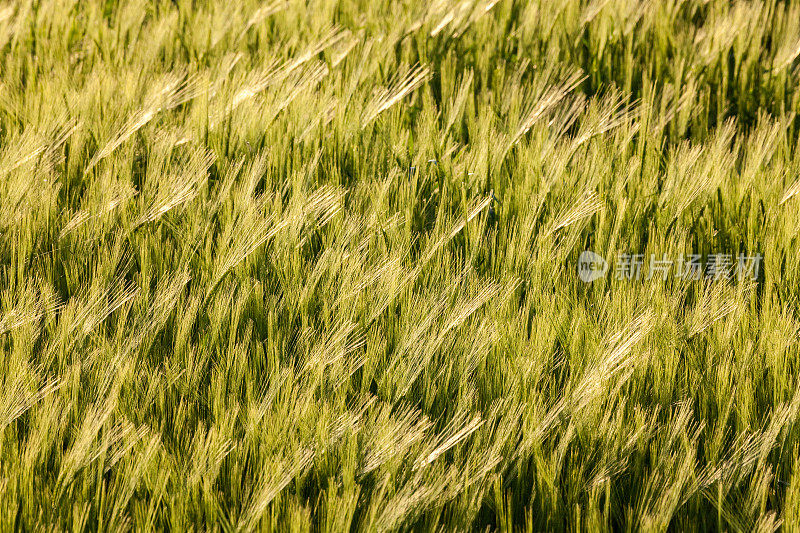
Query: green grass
[313, 265]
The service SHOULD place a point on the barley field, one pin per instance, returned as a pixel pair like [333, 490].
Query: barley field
[444, 265]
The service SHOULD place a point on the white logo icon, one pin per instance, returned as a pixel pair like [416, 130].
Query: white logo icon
[591, 266]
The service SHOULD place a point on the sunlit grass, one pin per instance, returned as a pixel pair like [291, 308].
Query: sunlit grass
[314, 266]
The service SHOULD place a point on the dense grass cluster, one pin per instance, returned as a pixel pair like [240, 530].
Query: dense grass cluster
[313, 265]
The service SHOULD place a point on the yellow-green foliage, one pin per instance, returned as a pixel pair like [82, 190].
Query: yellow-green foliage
[311, 265]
